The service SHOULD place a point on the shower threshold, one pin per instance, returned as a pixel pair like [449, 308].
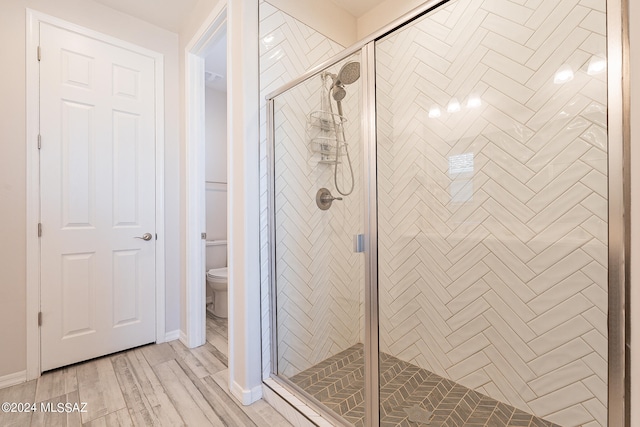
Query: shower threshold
[409, 396]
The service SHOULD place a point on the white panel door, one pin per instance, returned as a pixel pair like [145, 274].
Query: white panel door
[97, 165]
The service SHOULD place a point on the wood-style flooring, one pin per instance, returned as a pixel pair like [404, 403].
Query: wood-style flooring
[155, 385]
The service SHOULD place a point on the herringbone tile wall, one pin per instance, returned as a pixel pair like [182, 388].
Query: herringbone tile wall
[319, 278]
[493, 201]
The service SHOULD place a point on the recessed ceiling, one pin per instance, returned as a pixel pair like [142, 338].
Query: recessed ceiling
[167, 14]
[357, 7]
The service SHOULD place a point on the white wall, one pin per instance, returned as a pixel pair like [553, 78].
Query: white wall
[216, 165]
[339, 25]
[323, 16]
[384, 14]
[243, 72]
[13, 155]
[216, 135]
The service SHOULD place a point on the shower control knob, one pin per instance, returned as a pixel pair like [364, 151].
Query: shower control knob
[324, 199]
[330, 198]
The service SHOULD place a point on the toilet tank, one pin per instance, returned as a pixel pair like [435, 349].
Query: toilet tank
[216, 254]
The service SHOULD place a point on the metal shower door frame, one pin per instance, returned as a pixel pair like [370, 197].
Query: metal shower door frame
[618, 383]
[369, 215]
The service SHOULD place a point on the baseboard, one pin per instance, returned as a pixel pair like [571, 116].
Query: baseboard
[247, 397]
[172, 335]
[13, 379]
[183, 338]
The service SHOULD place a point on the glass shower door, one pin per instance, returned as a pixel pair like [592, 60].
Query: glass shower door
[317, 211]
[493, 215]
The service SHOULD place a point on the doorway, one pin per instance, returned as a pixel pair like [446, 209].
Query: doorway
[243, 187]
[206, 86]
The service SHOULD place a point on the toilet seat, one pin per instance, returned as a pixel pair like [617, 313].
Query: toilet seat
[218, 273]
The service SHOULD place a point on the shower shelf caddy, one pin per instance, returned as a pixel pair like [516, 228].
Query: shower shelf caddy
[323, 130]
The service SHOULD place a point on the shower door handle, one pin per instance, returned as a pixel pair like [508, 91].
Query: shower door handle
[358, 243]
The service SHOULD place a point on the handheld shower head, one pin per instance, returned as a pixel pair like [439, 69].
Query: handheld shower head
[349, 73]
[338, 92]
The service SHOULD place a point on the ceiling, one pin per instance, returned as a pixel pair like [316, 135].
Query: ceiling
[357, 7]
[167, 14]
[172, 14]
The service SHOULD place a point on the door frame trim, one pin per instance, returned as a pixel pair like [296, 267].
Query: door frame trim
[33, 19]
[214, 27]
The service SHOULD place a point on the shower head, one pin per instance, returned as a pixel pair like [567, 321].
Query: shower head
[349, 73]
[338, 93]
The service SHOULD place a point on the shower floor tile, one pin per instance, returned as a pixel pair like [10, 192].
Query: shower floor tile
[338, 383]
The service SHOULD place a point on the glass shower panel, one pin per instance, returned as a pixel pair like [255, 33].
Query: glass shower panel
[318, 208]
[492, 215]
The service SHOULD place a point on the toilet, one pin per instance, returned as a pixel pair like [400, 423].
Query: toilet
[217, 277]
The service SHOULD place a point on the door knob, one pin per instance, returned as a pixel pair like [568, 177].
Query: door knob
[145, 236]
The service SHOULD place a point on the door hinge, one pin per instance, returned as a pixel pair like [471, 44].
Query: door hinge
[203, 236]
[39, 229]
[39, 141]
[39, 318]
[39, 54]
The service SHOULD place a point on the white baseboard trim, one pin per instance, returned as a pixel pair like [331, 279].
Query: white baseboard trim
[13, 379]
[172, 335]
[247, 397]
[183, 339]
